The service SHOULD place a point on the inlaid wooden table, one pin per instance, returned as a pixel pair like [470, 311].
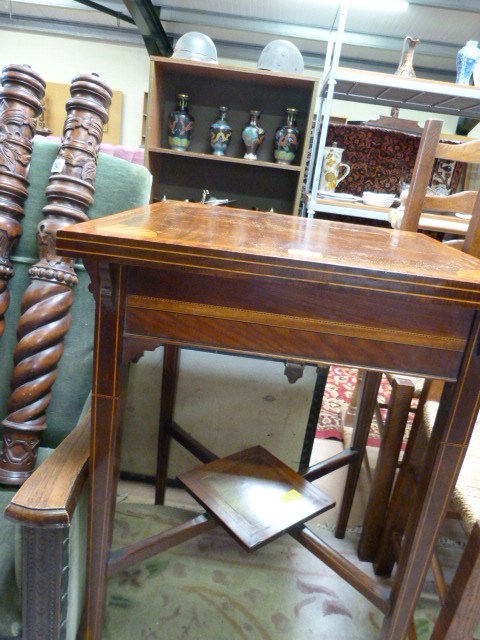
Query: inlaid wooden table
[280, 286]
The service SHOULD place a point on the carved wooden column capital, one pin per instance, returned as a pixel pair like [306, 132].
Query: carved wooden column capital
[20, 104]
[47, 301]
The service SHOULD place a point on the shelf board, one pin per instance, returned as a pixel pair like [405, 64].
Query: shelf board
[410, 93]
[214, 72]
[351, 209]
[228, 159]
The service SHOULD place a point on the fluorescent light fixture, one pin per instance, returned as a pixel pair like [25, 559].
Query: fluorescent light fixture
[378, 5]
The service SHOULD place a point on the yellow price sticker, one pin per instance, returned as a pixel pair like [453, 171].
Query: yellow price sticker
[291, 495]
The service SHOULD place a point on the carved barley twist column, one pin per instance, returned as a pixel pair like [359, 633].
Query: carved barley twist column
[47, 301]
[20, 104]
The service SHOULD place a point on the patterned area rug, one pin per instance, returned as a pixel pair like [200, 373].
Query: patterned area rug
[340, 385]
[210, 588]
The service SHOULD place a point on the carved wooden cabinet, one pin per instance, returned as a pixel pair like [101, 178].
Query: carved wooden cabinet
[253, 184]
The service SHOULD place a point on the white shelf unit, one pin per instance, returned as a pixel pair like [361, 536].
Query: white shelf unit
[385, 89]
[411, 93]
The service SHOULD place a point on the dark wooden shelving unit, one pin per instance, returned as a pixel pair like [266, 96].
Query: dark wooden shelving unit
[253, 184]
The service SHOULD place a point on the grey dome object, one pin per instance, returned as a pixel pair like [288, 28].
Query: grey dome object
[195, 46]
[281, 55]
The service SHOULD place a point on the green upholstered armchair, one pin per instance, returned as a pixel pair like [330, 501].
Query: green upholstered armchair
[43, 534]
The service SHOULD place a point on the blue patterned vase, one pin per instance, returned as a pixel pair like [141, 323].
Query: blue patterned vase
[253, 135]
[180, 125]
[287, 139]
[467, 58]
[220, 133]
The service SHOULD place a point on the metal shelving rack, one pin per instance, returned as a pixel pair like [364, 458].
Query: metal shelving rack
[381, 89]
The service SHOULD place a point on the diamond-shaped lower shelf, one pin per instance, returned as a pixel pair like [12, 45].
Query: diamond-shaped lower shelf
[254, 495]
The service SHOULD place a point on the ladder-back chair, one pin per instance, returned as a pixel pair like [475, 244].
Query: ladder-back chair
[387, 510]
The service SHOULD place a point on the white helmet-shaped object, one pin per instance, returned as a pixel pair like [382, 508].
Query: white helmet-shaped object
[195, 46]
[281, 55]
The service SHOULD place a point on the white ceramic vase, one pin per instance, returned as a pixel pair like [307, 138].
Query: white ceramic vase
[476, 74]
[467, 58]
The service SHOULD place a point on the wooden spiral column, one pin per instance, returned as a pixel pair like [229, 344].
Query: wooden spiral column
[20, 104]
[47, 301]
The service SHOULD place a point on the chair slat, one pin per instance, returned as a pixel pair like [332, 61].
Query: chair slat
[421, 174]
[465, 152]
[472, 238]
[461, 202]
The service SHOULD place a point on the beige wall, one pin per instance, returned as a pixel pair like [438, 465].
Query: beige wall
[59, 59]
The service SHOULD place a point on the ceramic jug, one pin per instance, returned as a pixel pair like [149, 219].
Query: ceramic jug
[332, 165]
[405, 67]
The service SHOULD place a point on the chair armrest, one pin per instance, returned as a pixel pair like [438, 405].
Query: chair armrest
[49, 496]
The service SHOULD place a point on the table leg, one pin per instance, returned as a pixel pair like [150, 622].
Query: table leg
[446, 450]
[313, 416]
[109, 382]
[171, 358]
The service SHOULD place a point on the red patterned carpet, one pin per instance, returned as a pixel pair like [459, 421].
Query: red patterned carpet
[340, 385]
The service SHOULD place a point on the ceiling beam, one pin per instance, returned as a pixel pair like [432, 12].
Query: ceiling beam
[147, 20]
[111, 12]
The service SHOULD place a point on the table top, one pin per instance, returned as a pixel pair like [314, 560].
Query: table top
[204, 236]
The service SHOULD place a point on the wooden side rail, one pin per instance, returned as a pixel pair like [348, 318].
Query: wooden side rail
[138, 551]
[359, 580]
[44, 508]
[190, 443]
[49, 496]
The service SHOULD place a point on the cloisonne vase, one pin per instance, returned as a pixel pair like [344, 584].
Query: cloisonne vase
[467, 58]
[253, 135]
[220, 133]
[180, 125]
[287, 139]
